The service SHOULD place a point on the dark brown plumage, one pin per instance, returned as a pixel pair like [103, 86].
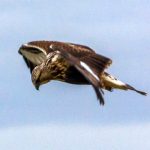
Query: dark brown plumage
[71, 63]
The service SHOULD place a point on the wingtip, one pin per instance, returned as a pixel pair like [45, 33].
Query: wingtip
[99, 95]
[143, 93]
[19, 52]
[138, 91]
[102, 103]
[20, 48]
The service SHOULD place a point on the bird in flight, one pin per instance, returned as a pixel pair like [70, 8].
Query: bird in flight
[71, 63]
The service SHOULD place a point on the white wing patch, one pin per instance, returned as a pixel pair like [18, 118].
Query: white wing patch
[36, 58]
[113, 81]
[119, 82]
[36, 47]
[56, 51]
[85, 66]
[51, 46]
[55, 58]
[116, 81]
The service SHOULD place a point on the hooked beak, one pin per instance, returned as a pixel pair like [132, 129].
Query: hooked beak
[37, 86]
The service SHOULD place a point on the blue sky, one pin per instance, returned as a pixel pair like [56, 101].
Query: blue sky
[118, 29]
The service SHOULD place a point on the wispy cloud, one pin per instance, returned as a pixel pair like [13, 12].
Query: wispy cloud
[135, 137]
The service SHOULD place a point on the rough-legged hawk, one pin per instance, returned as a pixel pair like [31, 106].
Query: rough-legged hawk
[71, 63]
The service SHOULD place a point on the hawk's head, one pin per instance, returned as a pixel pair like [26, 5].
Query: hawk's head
[40, 76]
[36, 73]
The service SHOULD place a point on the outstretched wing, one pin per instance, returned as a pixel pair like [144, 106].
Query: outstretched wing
[33, 55]
[84, 59]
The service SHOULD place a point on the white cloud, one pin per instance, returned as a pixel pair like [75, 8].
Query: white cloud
[73, 137]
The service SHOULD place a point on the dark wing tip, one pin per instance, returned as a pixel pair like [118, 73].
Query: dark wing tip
[142, 93]
[99, 94]
[19, 51]
[138, 91]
